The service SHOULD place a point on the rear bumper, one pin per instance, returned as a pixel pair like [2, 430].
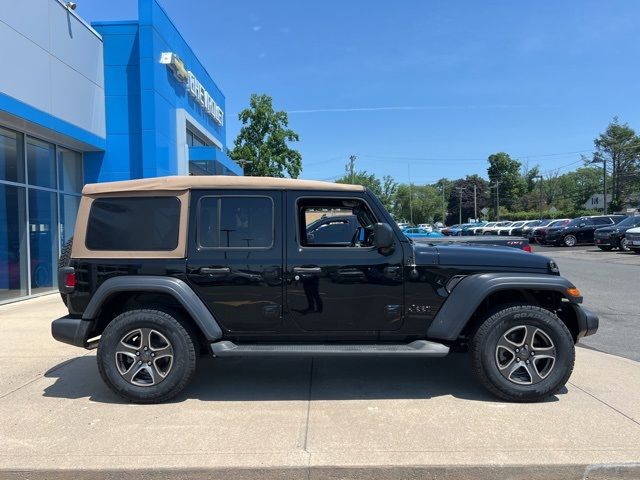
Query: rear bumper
[587, 321]
[74, 331]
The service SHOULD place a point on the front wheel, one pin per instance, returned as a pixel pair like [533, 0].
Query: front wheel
[523, 353]
[146, 356]
[624, 245]
[569, 241]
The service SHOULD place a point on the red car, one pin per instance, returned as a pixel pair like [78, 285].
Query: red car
[540, 233]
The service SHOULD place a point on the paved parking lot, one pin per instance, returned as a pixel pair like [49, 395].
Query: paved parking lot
[326, 417]
[609, 282]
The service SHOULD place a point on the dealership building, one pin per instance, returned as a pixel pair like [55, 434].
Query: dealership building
[83, 103]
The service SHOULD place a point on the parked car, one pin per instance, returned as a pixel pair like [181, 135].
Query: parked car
[447, 230]
[528, 231]
[526, 228]
[150, 281]
[494, 230]
[471, 228]
[508, 229]
[539, 234]
[403, 225]
[608, 238]
[418, 232]
[332, 230]
[580, 230]
[480, 230]
[633, 239]
[426, 227]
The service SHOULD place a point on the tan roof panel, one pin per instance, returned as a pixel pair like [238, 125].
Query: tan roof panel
[180, 182]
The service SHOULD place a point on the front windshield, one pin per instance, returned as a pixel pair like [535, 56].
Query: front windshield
[630, 222]
[518, 224]
[558, 223]
[544, 223]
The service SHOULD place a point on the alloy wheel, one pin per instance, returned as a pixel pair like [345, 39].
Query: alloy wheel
[570, 241]
[624, 245]
[144, 357]
[525, 355]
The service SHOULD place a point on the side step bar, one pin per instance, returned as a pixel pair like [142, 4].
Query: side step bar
[417, 348]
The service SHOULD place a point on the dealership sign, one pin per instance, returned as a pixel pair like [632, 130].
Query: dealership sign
[193, 86]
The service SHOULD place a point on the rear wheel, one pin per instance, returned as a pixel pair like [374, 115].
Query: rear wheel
[146, 356]
[523, 353]
[569, 241]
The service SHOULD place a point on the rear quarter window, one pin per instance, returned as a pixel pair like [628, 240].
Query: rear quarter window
[133, 224]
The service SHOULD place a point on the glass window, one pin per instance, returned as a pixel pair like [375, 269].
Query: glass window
[236, 222]
[335, 223]
[70, 170]
[13, 242]
[41, 163]
[43, 227]
[134, 223]
[193, 140]
[11, 157]
[68, 211]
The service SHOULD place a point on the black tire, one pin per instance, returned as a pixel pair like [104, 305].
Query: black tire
[605, 248]
[569, 241]
[624, 245]
[64, 260]
[484, 347]
[178, 375]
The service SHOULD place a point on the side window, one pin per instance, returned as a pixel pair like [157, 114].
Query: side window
[235, 222]
[133, 224]
[602, 221]
[329, 222]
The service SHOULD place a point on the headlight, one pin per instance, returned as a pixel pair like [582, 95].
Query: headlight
[553, 267]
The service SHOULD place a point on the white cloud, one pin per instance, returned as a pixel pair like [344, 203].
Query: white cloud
[256, 28]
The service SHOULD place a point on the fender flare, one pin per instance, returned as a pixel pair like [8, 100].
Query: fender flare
[471, 291]
[175, 287]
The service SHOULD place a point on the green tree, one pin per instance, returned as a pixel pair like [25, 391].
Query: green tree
[506, 171]
[262, 142]
[420, 202]
[463, 189]
[619, 148]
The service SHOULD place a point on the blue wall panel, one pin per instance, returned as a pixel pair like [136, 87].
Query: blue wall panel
[143, 96]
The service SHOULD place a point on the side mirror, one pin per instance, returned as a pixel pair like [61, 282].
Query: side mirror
[582, 225]
[383, 235]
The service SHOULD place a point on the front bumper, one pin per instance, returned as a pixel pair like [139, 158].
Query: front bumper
[588, 321]
[74, 331]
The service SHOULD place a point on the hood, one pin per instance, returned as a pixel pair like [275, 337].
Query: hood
[608, 229]
[480, 256]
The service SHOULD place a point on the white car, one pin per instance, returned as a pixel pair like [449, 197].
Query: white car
[493, 230]
[507, 229]
[633, 239]
[426, 227]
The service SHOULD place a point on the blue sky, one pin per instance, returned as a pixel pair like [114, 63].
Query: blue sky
[433, 87]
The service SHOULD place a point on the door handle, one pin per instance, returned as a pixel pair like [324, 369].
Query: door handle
[214, 271]
[307, 270]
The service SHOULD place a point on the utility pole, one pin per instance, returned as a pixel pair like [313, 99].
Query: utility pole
[604, 184]
[541, 178]
[475, 204]
[444, 209]
[460, 189]
[410, 194]
[352, 165]
[498, 200]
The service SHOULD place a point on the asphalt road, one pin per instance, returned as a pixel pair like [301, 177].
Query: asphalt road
[609, 282]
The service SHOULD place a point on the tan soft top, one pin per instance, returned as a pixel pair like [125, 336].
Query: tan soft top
[181, 182]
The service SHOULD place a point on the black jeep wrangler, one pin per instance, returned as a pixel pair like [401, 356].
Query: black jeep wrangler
[162, 270]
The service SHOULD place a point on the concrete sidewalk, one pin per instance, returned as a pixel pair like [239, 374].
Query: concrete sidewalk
[302, 418]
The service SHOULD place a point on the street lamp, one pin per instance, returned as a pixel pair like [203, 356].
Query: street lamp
[242, 162]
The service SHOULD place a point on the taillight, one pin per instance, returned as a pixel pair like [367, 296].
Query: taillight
[527, 248]
[70, 280]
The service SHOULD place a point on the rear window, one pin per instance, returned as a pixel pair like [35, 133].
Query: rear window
[133, 224]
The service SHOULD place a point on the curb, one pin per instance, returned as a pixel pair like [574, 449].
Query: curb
[630, 471]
